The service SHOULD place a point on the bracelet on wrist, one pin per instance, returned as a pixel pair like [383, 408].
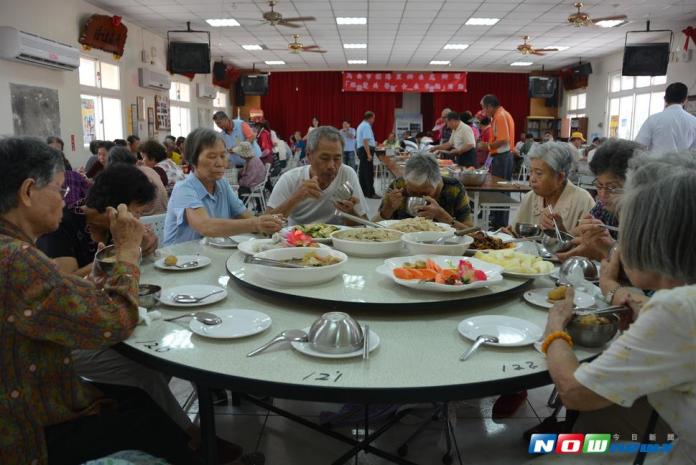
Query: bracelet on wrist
[553, 336]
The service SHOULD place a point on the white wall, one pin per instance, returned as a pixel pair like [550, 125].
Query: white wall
[61, 21]
[598, 83]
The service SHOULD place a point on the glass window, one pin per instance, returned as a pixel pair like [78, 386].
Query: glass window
[88, 110]
[573, 102]
[582, 100]
[642, 81]
[88, 72]
[625, 117]
[220, 100]
[642, 111]
[626, 82]
[111, 117]
[181, 121]
[101, 118]
[657, 102]
[614, 117]
[616, 83]
[180, 92]
[631, 100]
[659, 80]
[109, 76]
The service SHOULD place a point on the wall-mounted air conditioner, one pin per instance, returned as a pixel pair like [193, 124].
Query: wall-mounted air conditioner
[153, 80]
[35, 50]
[206, 91]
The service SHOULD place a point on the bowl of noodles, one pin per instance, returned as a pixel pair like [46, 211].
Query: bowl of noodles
[417, 224]
[367, 242]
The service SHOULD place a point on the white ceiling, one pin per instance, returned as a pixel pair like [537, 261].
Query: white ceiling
[406, 34]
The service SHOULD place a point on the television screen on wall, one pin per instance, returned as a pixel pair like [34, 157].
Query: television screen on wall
[645, 59]
[255, 84]
[542, 86]
[189, 57]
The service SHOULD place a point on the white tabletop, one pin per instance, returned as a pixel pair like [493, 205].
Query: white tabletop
[417, 358]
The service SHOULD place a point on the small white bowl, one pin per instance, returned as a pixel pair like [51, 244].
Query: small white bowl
[452, 246]
[299, 276]
[367, 248]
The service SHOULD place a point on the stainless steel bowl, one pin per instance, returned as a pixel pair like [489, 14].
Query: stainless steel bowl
[148, 295]
[413, 203]
[335, 333]
[105, 259]
[527, 230]
[567, 269]
[591, 335]
[551, 245]
[473, 177]
[343, 192]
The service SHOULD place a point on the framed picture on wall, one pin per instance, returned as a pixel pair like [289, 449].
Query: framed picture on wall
[134, 119]
[150, 123]
[162, 116]
[691, 104]
[142, 111]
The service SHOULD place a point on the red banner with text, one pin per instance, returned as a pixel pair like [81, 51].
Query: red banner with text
[360, 81]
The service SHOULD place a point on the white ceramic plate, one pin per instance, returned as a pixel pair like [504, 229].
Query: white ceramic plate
[443, 226]
[498, 235]
[235, 323]
[514, 274]
[510, 331]
[196, 290]
[254, 246]
[229, 242]
[539, 297]
[202, 261]
[493, 273]
[306, 349]
[284, 232]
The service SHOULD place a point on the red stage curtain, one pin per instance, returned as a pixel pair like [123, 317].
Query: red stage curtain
[510, 88]
[294, 98]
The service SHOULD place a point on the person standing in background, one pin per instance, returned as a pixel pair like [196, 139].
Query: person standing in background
[673, 129]
[234, 133]
[461, 145]
[366, 149]
[348, 135]
[315, 124]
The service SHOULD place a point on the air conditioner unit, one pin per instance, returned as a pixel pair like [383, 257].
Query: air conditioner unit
[29, 48]
[206, 91]
[152, 80]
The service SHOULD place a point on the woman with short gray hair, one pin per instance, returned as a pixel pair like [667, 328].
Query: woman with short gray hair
[447, 201]
[655, 356]
[550, 165]
[204, 204]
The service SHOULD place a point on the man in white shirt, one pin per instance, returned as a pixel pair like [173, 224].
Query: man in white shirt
[312, 193]
[461, 144]
[673, 129]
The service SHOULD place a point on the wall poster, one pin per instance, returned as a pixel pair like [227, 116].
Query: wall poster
[162, 115]
[35, 111]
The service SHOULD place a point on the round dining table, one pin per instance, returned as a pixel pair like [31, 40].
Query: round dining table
[417, 360]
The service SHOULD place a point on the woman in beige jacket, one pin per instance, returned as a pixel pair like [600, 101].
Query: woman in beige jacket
[550, 164]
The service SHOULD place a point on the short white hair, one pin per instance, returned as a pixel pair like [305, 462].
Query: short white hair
[555, 154]
[422, 168]
[658, 216]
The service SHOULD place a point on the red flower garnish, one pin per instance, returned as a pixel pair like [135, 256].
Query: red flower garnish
[297, 238]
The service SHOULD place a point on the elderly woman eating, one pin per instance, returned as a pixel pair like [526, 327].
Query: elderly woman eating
[551, 191]
[205, 204]
[609, 165]
[655, 355]
[49, 415]
[447, 201]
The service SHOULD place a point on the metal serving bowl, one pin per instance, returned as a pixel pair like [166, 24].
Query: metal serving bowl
[148, 295]
[472, 177]
[589, 269]
[335, 333]
[593, 335]
[105, 259]
[551, 245]
[527, 230]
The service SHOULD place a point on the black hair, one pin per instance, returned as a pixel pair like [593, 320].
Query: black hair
[530, 135]
[220, 115]
[491, 100]
[117, 184]
[107, 144]
[368, 115]
[94, 146]
[22, 158]
[197, 141]
[612, 157]
[120, 142]
[453, 116]
[121, 155]
[485, 121]
[180, 140]
[153, 150]
[52, 139]
[132, 138]
[676, 93]
[170, 138]
[466, 116]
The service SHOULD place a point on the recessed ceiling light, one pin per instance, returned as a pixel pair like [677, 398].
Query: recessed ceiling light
[252, 47]
[354, 45]
[481, 21]
[357, 62]
[349, 21]
[560, 48]
[521, 63]
[229, 22]
[274, 62]
[440, 62]
[610, 23]
[456, 46]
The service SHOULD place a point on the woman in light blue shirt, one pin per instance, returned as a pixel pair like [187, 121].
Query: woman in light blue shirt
[204, 204]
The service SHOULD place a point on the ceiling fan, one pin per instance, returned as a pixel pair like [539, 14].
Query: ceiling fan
[296, 47]
[580, 19]
[527, 48]
[276, 19]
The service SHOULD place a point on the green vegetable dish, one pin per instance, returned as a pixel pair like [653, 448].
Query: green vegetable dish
[317, 230]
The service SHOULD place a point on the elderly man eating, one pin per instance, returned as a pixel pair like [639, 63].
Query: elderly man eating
[447, 201]
[312, 193]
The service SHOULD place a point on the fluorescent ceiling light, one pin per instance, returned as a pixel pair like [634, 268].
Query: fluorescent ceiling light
[252, 47]
[229, 22]
[481, 21]
[440, 62]
[354, 45]
[274, 62]
[456, 46]
[349, 21]
[611, 23]
[521, 63]
[357, 62]
[559, 47]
